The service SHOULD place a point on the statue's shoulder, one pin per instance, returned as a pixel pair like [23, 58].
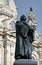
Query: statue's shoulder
[17, 22]
[27, 24]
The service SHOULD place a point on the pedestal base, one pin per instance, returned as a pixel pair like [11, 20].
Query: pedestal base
[25, 62]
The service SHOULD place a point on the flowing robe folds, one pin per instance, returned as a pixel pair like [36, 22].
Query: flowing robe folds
[23, 43]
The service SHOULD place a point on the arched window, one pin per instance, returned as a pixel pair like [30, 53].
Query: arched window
[12, 25]
[7, 2]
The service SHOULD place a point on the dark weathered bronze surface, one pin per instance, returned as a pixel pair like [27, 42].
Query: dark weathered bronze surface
[24, 38]
[25, 62]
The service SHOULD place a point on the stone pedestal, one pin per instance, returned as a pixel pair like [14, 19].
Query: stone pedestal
[25, 62]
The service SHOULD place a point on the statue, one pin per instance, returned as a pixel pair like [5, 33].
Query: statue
[24, 38]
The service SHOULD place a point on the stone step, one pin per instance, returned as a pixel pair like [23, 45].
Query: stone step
[25, 62]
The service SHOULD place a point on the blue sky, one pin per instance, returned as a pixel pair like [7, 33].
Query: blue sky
[23, 7]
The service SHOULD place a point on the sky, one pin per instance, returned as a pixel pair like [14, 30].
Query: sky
[23, 7]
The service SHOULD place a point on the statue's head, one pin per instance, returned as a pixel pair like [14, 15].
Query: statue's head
[23, 18]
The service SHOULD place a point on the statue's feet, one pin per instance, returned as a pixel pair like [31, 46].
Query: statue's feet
[18, 57]
[29, 57]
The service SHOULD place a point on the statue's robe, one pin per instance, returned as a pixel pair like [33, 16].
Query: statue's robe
[23, 43]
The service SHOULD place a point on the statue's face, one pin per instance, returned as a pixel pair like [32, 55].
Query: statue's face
[23, 18]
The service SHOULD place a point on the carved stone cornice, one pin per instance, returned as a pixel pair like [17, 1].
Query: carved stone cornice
[37, 44]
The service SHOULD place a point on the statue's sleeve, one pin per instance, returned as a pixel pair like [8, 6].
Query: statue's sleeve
[33, 28]
[31, 34]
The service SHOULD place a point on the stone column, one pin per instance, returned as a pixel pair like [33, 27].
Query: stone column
[12, 51]
[1, 45]
[1, 55]
[7, 54]
[11, 40]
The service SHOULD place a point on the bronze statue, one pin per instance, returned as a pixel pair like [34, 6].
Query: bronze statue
[24, 38]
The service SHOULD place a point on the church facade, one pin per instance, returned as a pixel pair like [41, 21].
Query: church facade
[8, 18]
